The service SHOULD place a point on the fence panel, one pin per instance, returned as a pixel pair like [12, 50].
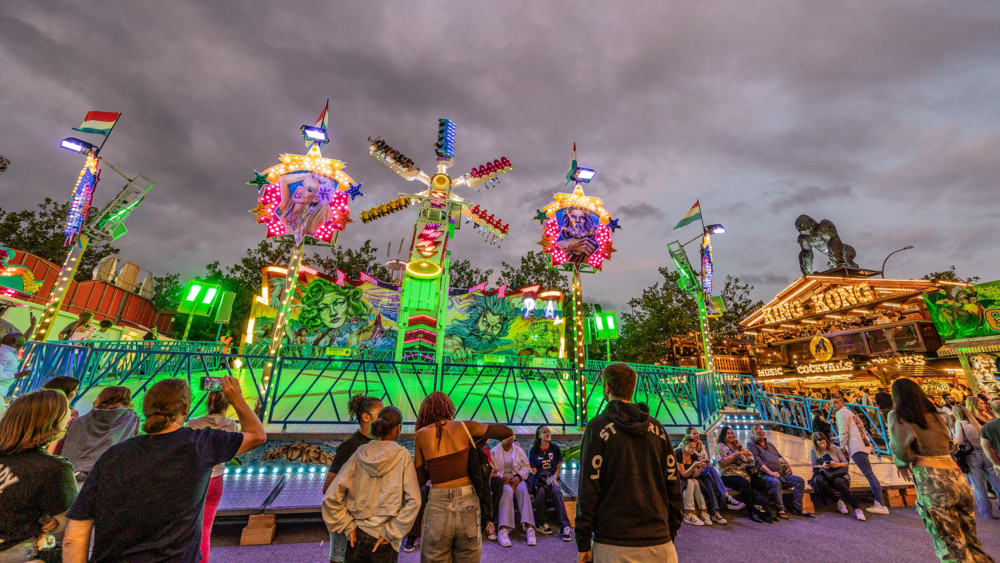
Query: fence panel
[512, 395]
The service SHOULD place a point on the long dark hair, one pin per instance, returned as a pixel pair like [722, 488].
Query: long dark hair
[911, 403]
[538, 438]
[722, 434]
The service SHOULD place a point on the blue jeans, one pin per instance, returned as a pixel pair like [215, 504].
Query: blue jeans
[797, 484]
[865, 465]
[980, 469]
[338, 546]
[716, 488]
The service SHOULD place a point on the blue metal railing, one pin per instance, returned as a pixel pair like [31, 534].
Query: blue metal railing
[794, 412]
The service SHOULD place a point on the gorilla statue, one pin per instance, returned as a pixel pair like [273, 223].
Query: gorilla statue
[823, 237]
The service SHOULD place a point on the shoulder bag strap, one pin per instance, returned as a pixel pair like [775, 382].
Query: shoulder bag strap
[467, 433]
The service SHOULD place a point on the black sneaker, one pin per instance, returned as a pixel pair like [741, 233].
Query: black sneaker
[545, 529]
[410, 545]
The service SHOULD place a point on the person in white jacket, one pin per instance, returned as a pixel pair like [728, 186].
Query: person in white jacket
[375, 497]
[855, 441]
[511, 464]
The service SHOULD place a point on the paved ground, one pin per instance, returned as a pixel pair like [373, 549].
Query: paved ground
[899, 537]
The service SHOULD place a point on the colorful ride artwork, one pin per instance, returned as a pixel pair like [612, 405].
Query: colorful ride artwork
[335, 315]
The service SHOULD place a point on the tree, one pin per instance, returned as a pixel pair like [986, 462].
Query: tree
[535, 268]
[950, 275]
[664, 311]
[352, 262]
[463, 275]
[41, 233]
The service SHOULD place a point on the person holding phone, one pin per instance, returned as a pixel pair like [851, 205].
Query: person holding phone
[144, 499]
[694, 500]
[830, 475]
[216, 406]
[699, 464]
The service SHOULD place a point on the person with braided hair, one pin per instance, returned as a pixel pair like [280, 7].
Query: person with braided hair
[144, 499]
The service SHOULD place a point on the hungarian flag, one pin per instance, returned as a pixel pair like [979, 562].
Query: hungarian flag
[98, 122]
[693, 214]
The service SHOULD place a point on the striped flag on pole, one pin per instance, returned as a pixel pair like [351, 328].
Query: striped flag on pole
[693, 214]
[98, 122]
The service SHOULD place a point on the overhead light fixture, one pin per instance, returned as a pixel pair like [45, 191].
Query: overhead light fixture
[76, 145]
[715, 229]
[317, 134]
[584, 175]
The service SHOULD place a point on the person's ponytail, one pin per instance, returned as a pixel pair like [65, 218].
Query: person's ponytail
[163, 403]
[388, 419]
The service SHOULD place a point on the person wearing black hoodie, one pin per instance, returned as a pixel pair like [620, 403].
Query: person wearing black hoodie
[630, 505]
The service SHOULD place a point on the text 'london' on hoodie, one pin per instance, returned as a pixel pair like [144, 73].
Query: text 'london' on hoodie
[630, 488]
[375, 491]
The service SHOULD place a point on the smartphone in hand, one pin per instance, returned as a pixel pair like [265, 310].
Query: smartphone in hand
[211, 383]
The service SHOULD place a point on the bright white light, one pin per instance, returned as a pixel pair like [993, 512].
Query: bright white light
[68, 144]
[314, 133]
[584, 174]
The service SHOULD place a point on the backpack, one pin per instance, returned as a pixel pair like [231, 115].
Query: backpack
[479, 474]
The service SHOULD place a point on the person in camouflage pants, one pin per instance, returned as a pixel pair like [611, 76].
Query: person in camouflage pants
[944, 500]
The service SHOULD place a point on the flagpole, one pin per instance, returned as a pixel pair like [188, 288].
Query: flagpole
[113, 125]
[701, 216]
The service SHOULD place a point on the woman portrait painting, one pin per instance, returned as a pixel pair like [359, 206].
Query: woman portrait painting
[305, 203]
[340, 317]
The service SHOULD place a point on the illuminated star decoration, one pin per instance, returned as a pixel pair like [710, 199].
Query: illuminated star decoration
[336, 197]
[259, 180]
[613, 225]
[551, 230]
[540, 216]
[355, 190]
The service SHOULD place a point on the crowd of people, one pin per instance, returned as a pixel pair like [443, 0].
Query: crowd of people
[115, 490]
[109, 491]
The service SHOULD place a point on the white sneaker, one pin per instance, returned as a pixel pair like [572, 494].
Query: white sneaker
[531, 536]
[503, 537]
[690, 518]
[859, 514]
[567, 534]
[734, 504]
[841, 507]
[718, 519]
[878, 508]
[706, 519]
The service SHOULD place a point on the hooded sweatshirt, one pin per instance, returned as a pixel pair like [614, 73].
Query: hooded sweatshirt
[95, 432]
[630, 491]
[376, 491]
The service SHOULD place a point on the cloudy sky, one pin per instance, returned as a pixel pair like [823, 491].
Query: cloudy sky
[883, 117]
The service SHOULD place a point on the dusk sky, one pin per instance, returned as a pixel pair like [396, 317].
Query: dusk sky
[883, 117]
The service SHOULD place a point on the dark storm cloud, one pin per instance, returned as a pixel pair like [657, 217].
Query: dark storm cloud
[880, 116]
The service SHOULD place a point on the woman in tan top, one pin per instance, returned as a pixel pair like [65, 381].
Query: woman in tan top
[921, 446]
[451, 528]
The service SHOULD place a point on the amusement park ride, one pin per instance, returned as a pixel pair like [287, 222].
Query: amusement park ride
[424, 300]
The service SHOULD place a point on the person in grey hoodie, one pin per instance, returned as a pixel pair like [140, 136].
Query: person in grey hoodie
[375, 498]
[111, 421]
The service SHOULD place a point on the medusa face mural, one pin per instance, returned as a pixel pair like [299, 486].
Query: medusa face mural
[485, 322]
[340, 316]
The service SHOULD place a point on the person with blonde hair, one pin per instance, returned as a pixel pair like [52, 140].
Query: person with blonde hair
[110, 422]
[968, 430]
[36, 488]
[305, 202]
[979, 409]
[144, 499]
